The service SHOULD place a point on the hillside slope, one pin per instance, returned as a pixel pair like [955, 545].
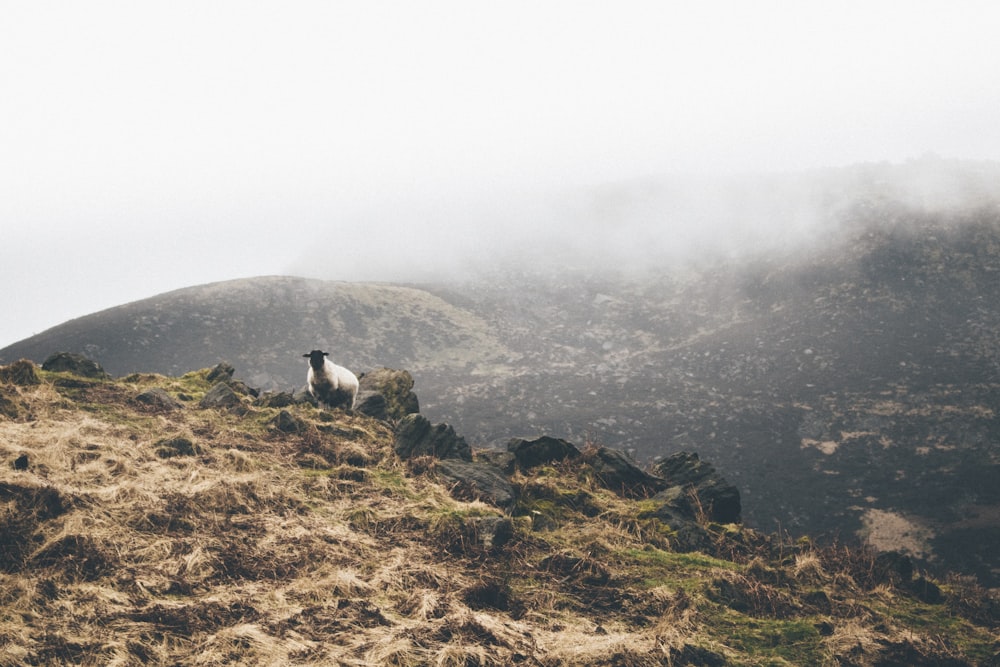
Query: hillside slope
[850, 388]
[172, 533]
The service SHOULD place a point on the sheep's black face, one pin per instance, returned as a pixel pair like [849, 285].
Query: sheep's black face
[316, 358]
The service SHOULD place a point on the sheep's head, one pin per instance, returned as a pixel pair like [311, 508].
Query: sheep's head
[316, 358]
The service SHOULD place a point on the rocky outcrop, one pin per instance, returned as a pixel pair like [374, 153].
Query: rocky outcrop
[416, 436]
[475, 480]
[221, 395]
[695, 488]
[616, 471]
[546, 449]
[386, 394]
[77, 364]
[158, 399]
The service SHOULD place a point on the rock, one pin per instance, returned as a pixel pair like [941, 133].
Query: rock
[617, 472]
[22, 373]
[491, 532]
[286, 422]
[415, 436]
[372, 404]
[278, 399]
[472, 480]
[505, 461]
[675, 508]
[159, 399]
[395, 386]
[243, 388]
[533, 453]
[222, 372]
[892, 567]
[77, 364]
[220, 396]
[171, 447]
[303, 396]
[719, 500]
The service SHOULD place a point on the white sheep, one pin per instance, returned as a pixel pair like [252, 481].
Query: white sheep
[330, 384]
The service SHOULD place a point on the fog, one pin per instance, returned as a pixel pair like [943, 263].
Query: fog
[146, 147]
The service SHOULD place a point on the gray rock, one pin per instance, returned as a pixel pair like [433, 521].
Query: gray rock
[77, 364]
[505, 461]
[159, 399]
[220, 396]
[372, 404]
[617, 472]
[286, 422]
[395, 386]
[415, 436]
[533, 453]
[277, 399]
[472, 480]
[718, 499]
[222, 372]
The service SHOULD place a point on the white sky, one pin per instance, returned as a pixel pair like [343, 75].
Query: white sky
[147, 146]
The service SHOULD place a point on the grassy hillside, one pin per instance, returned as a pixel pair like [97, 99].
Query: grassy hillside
[135, 534]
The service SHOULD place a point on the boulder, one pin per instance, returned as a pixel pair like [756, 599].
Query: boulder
[220, 396]
[473, 480]
[499, 458]
[718, 499]
[286, 422]
[159, 399]
[222, 372]
[275, 399]
[533, 453]
[616, 471]
[76, 364]
[396, 389]
[416, 436]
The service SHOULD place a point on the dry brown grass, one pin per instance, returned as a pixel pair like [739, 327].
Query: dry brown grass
[210, 537]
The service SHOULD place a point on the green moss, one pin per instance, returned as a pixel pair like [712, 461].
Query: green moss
[772, 641]
[683, 561]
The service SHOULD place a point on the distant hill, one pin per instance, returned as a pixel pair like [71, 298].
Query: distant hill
[849, 387]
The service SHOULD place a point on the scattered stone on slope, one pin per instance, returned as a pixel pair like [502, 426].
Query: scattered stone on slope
[416, 436]
[393, 387]
[617, 472]
[77, 364]
[220, 396]
[286, 422]
[473, 480]
[546, 449]
[718, 499]
[159, 399]
[221, 372]
[276, 399]
[505, 461]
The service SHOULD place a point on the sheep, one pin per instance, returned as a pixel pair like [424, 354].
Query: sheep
[330, 384]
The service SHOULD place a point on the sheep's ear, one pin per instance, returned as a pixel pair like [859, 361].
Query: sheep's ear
[305, 355]
[326, 354]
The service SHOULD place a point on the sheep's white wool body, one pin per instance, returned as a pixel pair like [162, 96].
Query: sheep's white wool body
[333, 385]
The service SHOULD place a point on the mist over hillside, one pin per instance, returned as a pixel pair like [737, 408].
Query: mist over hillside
[842, 370]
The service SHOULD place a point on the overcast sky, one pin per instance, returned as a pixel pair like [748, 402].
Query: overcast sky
[148, 146]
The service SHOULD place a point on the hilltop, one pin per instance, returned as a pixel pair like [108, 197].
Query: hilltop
[152, 519]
